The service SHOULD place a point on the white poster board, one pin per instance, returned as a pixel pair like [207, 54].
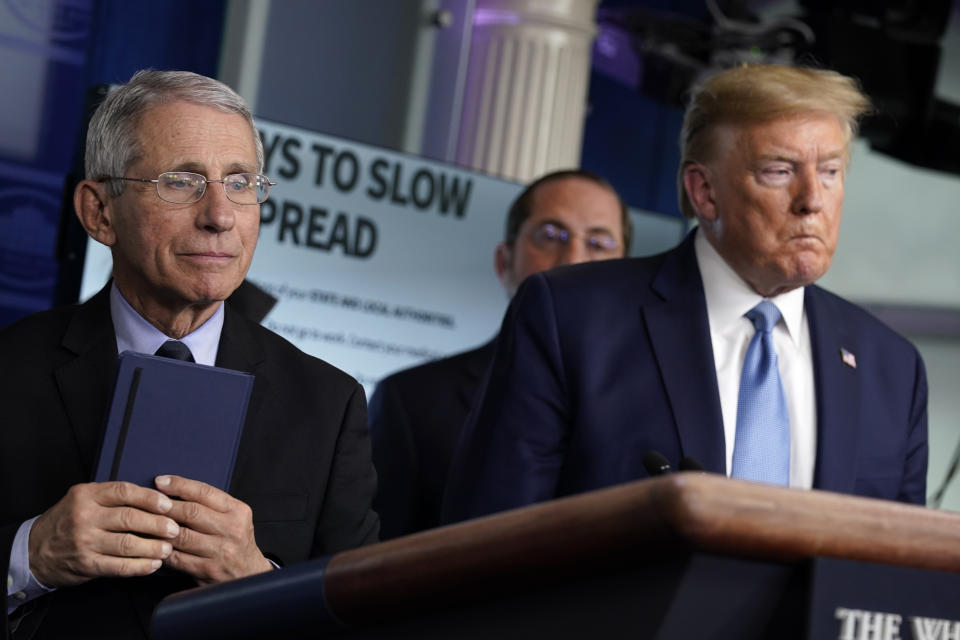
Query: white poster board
[380, 260]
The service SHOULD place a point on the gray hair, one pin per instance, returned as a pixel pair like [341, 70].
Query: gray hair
[112, 140]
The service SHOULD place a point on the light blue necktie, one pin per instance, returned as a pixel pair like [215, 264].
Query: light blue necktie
[761, 448]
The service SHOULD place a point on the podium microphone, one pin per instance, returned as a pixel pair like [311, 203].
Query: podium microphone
[656, 463]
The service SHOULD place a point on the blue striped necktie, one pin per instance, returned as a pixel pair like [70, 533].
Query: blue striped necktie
[761, 449]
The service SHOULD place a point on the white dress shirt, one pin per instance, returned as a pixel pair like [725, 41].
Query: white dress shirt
[729, 297]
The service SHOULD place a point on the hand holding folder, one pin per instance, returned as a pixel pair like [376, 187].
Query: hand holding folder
[169, 418]
[182, 422]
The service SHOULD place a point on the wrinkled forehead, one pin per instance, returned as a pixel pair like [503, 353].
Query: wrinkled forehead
[826, 133]
[189, 136]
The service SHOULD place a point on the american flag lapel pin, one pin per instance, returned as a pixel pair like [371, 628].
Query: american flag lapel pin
[848, 358]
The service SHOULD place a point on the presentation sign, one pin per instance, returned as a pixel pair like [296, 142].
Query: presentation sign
[379, 260]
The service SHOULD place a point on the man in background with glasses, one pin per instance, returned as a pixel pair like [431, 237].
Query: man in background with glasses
[173, 187]
[564, 217]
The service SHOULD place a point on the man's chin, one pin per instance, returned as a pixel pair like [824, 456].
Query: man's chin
[213, 288]
[803, 275]
[210, 296]
[206, 302]
[811, 266]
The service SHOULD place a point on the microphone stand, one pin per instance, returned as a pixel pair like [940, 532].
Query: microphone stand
[951, 472]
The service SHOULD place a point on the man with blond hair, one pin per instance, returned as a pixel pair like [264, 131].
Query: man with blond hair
[720, 351]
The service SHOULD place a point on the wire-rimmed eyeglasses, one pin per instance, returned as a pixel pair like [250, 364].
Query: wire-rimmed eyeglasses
[184, 187]
[550, 236]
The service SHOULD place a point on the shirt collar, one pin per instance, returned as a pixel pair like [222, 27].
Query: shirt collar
[729, 297]
[134, 333]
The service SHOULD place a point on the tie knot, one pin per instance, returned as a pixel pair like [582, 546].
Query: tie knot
[764, 316]
[176, 350]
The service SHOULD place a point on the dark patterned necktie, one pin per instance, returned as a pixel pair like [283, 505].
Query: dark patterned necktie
[176, 350]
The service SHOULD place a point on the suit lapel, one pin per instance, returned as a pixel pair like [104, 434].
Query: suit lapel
[836, 383]
[680, 335]
[239, 350]
[474, 368]
[85, 382]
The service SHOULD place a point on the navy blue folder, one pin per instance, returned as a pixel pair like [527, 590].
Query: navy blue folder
[172, 417]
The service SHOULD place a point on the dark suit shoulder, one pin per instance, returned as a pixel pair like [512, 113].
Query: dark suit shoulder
[292, 362]
[673, 268]
[415, 420]
[859, 322]
[466, 364]
[36, 331]
[52, 337]
[592, 290]
[605, 275]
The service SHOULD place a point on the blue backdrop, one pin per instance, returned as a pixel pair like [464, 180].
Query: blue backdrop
[51, 52]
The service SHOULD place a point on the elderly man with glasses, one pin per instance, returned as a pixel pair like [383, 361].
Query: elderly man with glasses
[85, 558]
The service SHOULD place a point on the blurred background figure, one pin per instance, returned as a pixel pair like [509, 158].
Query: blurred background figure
[564, 217]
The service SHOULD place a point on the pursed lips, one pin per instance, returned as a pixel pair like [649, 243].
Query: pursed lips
[212, 256]
[803, 234]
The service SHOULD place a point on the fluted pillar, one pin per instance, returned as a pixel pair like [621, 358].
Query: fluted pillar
[526, 88]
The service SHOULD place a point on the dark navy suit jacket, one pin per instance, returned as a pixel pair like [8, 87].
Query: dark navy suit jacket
[599, 363]
[416, 416]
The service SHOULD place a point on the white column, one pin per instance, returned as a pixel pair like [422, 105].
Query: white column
[241, 58]
[525, 96]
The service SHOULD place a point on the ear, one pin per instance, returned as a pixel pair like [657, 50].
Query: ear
[698, 183]
[502, 264]
[93, 208]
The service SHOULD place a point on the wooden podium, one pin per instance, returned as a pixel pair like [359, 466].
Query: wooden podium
[689, 555]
